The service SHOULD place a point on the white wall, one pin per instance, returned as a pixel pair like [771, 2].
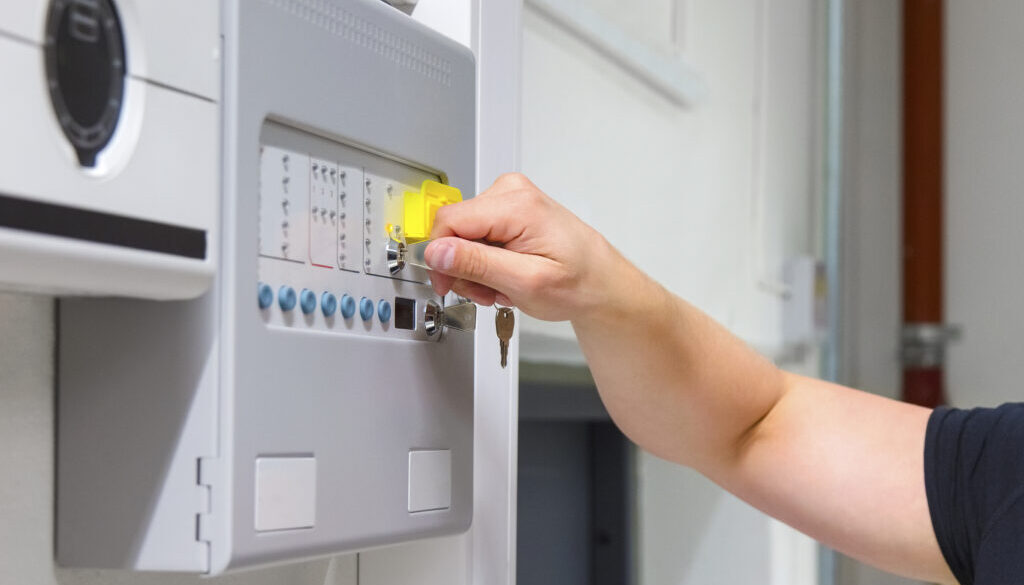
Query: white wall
[711, 198]
[708, 198]
[985, 199]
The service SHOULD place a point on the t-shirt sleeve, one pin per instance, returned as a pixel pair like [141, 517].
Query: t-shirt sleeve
[974, 472]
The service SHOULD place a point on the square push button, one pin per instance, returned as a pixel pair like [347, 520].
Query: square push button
[285, 493]
[430, 480]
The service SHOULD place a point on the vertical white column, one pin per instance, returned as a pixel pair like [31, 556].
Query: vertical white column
[497, 41]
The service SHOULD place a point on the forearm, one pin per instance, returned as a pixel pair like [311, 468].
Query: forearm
[843, 465]
[675, 381]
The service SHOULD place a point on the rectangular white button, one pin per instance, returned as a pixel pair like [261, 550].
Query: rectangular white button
[430, 480]
[285, 493]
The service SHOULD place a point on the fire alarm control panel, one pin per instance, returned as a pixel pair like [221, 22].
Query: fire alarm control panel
[319, 398]
[109, 156]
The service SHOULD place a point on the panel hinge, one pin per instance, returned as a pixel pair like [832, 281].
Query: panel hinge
[206, 476]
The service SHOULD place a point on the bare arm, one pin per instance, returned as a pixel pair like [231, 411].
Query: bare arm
[844, 466]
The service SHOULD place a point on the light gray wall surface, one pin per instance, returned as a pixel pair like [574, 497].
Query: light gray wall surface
[985, 199]
[871, 269]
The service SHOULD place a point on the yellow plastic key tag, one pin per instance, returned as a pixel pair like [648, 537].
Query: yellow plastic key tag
[421, 208]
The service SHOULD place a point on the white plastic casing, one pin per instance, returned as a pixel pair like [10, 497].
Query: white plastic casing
[158, 176]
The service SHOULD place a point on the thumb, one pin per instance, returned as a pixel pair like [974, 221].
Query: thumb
[498, 268]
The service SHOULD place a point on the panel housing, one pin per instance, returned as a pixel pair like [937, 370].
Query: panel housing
[158, 446]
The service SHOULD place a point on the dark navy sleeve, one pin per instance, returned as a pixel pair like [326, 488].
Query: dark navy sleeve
[974, 478]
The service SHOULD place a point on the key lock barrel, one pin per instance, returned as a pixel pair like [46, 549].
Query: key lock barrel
[436, 318]
[407, 247]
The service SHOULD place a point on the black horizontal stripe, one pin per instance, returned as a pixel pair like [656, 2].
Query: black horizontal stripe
[101, 228]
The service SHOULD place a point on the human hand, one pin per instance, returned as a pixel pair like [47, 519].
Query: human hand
[515, 246]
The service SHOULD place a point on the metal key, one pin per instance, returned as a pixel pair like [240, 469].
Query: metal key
[504, 324]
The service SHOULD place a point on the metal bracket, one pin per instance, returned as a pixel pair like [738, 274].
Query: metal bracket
[436, 318]
[924, 344]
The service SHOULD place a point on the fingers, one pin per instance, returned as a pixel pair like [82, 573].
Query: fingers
[478, 293]
[508, 182]
[500, 299]
[499, 214]
[494, 219]
[441, 282]
[490, 266]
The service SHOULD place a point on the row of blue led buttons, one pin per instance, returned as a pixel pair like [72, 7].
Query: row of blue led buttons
[329, 304]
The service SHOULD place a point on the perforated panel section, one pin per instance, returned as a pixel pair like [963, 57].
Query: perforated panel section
[369, 36]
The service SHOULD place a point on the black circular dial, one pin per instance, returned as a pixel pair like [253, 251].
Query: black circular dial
[85, 70]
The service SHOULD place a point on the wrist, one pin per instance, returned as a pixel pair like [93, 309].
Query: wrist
[616, 292]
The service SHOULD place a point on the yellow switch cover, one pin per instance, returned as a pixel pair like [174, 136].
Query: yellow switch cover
[422, 206]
